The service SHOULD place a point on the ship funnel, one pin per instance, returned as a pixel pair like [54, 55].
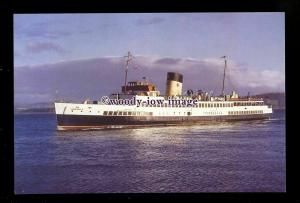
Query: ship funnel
[174, 84]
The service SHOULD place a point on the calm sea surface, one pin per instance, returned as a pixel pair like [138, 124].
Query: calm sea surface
[247, 156]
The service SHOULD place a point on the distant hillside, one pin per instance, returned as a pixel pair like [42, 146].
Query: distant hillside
[277, 100]
[35, 108]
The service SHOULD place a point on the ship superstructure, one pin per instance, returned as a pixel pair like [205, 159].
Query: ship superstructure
[141, 104]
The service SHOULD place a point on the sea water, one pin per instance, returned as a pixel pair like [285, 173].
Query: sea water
[241, 156]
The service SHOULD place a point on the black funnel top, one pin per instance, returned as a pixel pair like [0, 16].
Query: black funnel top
[175, 76]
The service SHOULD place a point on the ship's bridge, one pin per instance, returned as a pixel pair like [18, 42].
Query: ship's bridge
[142, 88]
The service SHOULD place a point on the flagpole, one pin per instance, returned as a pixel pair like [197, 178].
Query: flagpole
[126, 70]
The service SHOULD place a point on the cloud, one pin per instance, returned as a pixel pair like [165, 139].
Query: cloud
[168, 61]
[39, 47]
[93, 78]
[149, 21]
[40, 30]
[47, 33]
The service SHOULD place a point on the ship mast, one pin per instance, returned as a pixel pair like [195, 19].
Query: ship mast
[129, 58]
[224, 75]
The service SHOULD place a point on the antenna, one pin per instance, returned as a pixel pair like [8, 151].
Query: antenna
[129, 58]
[224, 75]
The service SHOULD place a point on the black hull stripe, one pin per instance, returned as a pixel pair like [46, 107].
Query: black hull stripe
[84, 121]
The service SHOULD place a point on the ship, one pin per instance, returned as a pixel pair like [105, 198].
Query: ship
[139, 103]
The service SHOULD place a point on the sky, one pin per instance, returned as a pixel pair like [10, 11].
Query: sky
[254, 44]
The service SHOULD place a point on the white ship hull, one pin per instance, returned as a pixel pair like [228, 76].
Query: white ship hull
[72, 116]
